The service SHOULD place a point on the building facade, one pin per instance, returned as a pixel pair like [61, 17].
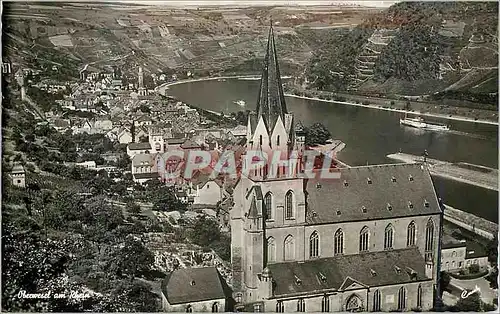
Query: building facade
[365, 240]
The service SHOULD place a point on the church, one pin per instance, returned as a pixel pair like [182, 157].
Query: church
[365, 241]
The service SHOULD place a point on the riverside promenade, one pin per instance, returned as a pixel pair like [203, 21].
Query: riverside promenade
[477, 175]
[473, 223]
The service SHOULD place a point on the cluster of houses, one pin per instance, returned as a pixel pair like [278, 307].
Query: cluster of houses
[201, 189]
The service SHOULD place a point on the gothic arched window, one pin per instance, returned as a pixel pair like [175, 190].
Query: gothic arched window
[376, 301]
[354, 304]
[389, 237]
[280, 308]
[402, 299]
[189, 309]
[314, 245]
[271, 249]
[325, 304]
[429, 236]
[289, 248]
[215, 307]
[419, 296]
[364, 238]
[338, 242]
[301, 305]
[289, 204]
[268, 201]
[410, 236]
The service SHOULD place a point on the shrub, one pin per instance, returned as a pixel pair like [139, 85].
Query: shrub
[469, 276]
[474, 268]
[489, 307]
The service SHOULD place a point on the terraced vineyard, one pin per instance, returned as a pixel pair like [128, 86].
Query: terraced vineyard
[53, 182]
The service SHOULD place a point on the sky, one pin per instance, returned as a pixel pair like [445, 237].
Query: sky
[262, 2]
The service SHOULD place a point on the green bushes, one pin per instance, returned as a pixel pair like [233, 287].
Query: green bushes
[474, 269]
[469, 275]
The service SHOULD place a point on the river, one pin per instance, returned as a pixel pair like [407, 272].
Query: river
[371, 134]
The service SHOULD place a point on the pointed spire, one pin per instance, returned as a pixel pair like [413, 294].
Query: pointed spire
[271, 101]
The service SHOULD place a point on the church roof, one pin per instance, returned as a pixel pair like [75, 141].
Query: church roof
[348, 271]
[139, 146]
[271, 102]
[371, 192]
[258, 192]
[188, 285]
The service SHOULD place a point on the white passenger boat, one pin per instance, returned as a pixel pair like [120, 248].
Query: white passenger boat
[240, 103]
[419, 123]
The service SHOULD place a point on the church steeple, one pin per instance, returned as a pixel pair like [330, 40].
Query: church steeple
[271, 101]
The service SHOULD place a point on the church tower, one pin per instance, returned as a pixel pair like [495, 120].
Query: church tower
[271, 197]
[271, 128]
[142, 90]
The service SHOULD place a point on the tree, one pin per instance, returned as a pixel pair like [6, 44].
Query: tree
[444, 281]
[493, 278]
[133, 259]
[204, 231]
[492, 250]
[133, 208]
[317, 134]
[408, 105]
[472, 303]
[474, 268]
[165, 200]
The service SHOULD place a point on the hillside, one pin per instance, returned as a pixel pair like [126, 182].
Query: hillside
[409, 49]
[417, 48]
[168, 40]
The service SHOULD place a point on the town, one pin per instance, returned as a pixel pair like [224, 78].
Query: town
[89, 195]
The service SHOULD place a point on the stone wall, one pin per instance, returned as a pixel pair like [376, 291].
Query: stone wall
[338, 300]
[202, 306]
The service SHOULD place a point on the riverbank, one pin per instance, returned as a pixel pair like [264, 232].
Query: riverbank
[462, 118]
[380, 107]
[477, 175]
[244, 77]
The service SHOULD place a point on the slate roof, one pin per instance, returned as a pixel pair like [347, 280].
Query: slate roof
[189, 144]
[139, 146]
[143, 159]
[208, 284]
[271, 102]
[175, 141]
[152, 175]
[342, 271]
[18, 168]
[258, 192]
[449, 242]
[406, 187]
[474, 250]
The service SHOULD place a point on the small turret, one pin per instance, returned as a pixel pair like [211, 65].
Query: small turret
[266, 284]
[18, 176]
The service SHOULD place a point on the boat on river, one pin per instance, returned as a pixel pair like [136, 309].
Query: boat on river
[241, 103]
[420, 123]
